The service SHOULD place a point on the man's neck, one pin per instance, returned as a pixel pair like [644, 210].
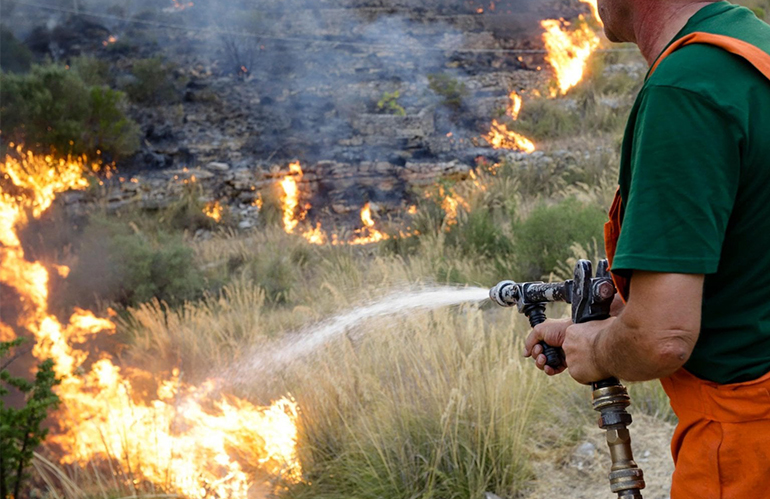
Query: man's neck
[658, 24]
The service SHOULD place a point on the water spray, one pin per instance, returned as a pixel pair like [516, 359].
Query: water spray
[591, 298]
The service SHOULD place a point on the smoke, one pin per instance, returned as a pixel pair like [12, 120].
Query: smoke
[305, 79]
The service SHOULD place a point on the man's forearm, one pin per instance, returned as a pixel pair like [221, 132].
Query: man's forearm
[635, 353]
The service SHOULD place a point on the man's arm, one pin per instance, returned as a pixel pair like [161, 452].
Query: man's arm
[652, 337]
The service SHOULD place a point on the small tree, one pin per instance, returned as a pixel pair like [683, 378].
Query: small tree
[20, 431]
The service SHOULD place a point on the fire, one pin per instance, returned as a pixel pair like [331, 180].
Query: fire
[367, 234]
[213, 210]
[316, 235]
[179, 6]
[294, 213]
[499, 137]
[186, 439]
[290, 198]
[450, 205]
[594, 10]
[568, 51]
[514, 108]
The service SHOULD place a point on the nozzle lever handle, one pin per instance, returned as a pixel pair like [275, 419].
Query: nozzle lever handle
[536, 315]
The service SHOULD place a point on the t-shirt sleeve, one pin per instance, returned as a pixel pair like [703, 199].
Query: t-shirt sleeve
[685, 168]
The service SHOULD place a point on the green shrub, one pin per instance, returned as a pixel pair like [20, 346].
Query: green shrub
[477, 233]
[154, 82]
[14, 56]
[187, 212]
[452, 90]
[91, 70]
[543, 239]
[119, 263]
[389, 103]
[51, 107]
[20, 429]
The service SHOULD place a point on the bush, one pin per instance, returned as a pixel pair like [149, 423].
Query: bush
[389, 103]
[118, 263]
[543, 239]
[20, 429]
[154, 82]
[14, 56]
[91, 70]
[453, 91]
[188, 212]
[51, 107]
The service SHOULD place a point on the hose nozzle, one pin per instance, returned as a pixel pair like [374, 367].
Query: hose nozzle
[505, 294]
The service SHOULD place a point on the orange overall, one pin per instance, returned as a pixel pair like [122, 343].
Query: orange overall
[721, 446]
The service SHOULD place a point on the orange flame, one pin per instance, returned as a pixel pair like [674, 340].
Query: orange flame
[214, 211]
[514, 108]
[183, 438]
[294, 213]
[594, 10]
[450, 204]
[368, 234]
[499, 137]
[568, 51]
[290, 198]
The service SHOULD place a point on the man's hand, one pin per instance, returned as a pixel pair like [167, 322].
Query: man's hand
[578, 342]
[580, 347]
[552, 332]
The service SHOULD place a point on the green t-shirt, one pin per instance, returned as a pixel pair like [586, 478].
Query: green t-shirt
[695, 184]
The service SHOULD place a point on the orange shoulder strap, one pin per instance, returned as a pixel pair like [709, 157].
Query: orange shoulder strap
[755, 55]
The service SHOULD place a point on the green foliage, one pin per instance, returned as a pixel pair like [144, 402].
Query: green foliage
[92, 71]
[20, 429]
[389, 103]
[117, 262]
[154, 82]
[52, 107]
[759, 12]
[543, 239]
[14, 56]
[187, 212]
[452, 90]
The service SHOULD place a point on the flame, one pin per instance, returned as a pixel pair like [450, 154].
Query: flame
[499, 137]
[368, 234]
[290, 198]
[450, 205]
[568, 51]
[594, 10]
[214, 211]
[514, 108]
[294, 213]
[179, 6]
[316, 235]
[181, 438]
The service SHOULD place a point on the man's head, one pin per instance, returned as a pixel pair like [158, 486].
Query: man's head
[622, 17]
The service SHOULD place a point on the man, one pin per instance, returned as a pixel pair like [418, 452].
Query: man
[690, 242]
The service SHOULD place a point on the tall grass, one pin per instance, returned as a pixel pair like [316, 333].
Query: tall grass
[431, 405]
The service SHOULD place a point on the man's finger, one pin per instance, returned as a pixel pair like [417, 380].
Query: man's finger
[532, 339]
